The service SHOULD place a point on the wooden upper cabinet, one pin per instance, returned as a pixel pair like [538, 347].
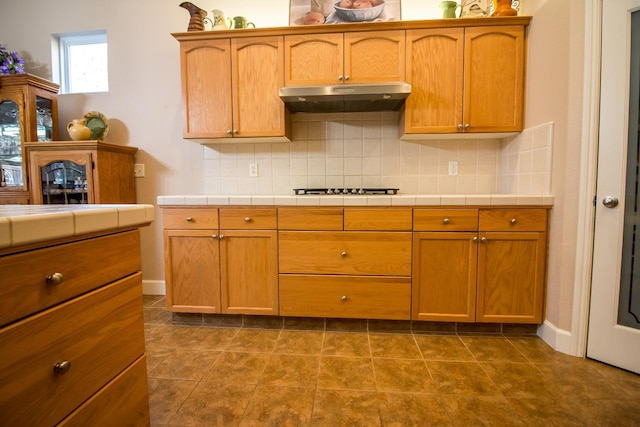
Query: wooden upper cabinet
[354, 57]
[230, 87]
[465, 80]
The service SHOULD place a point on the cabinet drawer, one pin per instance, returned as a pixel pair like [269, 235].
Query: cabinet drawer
[345, 296]
[248, 218]
[99, 333]
[513, 220]
[445, 219]
[347, 252]
[122, 402]
[25, 288]
[323, 219]
[190, 218]
[377, 219]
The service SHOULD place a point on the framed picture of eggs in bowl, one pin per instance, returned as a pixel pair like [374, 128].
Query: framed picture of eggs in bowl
[319, 12]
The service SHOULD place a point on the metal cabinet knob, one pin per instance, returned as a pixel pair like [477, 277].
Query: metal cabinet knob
[343, 253]
[214, 236]
[483, 240]
[344, 298]
[247, 219]
[446, 221]
[55, 279]
[340, 78]
[467, 126]
[513, 221]
[62, 368]
[228, 131]
[610, 201]
[460, 128]
[235, 131]
[346, 77]
[475, 239]
[221, 237]
[188, 219]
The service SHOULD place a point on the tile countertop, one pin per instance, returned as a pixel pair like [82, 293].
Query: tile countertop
[378, 200]
[25, 224]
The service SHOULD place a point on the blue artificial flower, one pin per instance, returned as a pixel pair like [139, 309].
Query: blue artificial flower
[10, 62]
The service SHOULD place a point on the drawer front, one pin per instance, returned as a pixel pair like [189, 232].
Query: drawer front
[513, 220]
[122, 402]
[445, 219]
[372, 219]
[348, 252]
[99, 333]
[248, 218]
[72, 268]
[361, 297]
[322, 219]
[190, 218]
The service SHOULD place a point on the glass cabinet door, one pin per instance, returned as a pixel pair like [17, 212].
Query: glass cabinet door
[10, 144]
[64, 182]
[44, 119]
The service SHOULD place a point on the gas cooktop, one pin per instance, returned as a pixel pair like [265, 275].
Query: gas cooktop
[346, 191]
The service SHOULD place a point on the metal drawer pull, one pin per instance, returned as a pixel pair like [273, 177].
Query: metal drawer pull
[189, 219]
[221, 237]
[475, 239]
[446, 221]
[343, 253]
[344, 298]
[55, 279]
[247, 219]
[513, 221]
[215, 236]
[62, 368]
[483, 240]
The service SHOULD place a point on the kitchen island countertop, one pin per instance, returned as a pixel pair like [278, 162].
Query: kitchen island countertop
[27, 224]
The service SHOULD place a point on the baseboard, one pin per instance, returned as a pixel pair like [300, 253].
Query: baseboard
[559, 339]
[153, 287]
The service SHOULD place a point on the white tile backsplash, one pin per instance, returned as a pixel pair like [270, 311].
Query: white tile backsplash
[363, 149]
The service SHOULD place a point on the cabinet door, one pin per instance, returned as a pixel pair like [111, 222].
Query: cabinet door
[12, 137]
[313, 59]
[206, 88]
[373, 57]
[494, 79]
[511, 277]
[257, 68]
[249, 272]
[435, 72]
[192, 271]
[55, 175]
[444, 276]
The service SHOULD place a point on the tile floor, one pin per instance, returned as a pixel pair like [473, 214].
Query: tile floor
[231, 376]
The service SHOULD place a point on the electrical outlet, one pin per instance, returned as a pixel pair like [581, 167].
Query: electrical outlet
[453, 168]
[253, 169]
[138, 170]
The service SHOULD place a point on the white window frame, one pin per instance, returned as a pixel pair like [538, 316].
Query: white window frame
[64, 42]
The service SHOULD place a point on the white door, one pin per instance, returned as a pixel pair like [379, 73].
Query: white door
[614, 317]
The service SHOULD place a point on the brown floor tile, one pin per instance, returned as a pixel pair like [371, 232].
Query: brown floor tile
[156, 355]
[582, 381]
[492, 349]
[237, 368]
[304, 323]
[355, 373]
[166, 397]
[465, 378]
[291, 370]
[156, 315]
[154, 300]
[628, 381]
[259, 340]
[346, 344]
[467, 411]
[301, 342]
[167, 336]
[404, 409]
[552, 412]
[615, 413]
[520, 379]
[185, 364]
[394, 345]
[209, 338]
[334, 408]
[214, 404]
[279, 407]
[443, 347]
[538, 351]
[403, 375]
[346, 325]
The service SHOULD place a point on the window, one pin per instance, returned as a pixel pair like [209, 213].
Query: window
[82, 59]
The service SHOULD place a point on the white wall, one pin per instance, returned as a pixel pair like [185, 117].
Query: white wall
[143, 106]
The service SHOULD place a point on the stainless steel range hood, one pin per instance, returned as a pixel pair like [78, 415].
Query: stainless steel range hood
[345, 97]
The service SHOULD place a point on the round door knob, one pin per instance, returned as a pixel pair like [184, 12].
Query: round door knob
[235, 131]
[483, 240]
[460, 128]
[610, 201]
[475, 239]
[346, 77]
[339, 78]
[188, 219]
[513, 221]
[467, 126]
[221, 237]
[62, 368]
[228, 131]
[247, 219]
[55, 279]
[343, 298]
[343, 253]
[446, 221]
